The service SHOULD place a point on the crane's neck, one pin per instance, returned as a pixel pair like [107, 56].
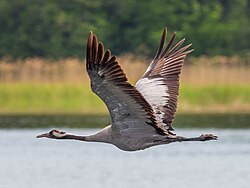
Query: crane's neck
[74, 137]
[102, 136]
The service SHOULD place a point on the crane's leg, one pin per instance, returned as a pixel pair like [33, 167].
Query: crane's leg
[171, 139]
[203, 137]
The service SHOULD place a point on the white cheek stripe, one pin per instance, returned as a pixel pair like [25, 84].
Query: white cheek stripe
[58, 135]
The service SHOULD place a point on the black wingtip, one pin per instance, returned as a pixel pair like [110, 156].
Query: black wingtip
[94, 48]
[100, 52]
[90, 38]
[169, 44]
[89, 47]
[163, 38]
[165, 30]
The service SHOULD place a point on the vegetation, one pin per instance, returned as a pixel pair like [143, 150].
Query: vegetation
[196, 71]
[40, 86]
[42, 45]
[78, 98]
[59, 29]
[49, 98]
[215, 98]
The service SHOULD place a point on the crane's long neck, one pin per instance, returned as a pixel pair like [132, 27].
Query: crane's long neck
[101, 136]
[75, 137]
[90, 138]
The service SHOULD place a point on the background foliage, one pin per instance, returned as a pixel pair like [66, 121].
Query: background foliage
[59, 28]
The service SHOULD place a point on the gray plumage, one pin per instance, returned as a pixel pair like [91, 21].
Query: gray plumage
[142, 115]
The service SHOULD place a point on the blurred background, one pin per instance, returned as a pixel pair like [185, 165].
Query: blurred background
[42, 51]
[44, 84]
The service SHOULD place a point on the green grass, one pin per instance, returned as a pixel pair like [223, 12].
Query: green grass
[48, 98]
[78, 98]
[215, 94]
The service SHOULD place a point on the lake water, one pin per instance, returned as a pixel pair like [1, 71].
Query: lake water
[27, 162]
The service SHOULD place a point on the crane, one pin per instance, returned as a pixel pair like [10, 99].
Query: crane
[141, 115]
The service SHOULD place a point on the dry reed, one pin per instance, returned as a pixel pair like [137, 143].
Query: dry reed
[36, 85]
[201, 71]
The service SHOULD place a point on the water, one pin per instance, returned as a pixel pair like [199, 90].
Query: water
[37, 163]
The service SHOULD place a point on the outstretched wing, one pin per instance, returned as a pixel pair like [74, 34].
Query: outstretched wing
[128, 109]
[160, 83]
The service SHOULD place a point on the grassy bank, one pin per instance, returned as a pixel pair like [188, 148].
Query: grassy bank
[48, 98]
[208, 84]
[78, 98]
[215, 98]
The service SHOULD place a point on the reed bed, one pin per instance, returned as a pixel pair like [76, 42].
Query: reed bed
[196, 71]
[218, 84]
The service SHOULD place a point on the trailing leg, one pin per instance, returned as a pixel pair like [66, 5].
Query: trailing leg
[203, 137]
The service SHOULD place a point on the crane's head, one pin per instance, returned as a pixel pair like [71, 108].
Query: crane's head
[56, 134]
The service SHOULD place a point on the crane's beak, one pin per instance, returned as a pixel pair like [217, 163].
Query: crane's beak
[42, 135]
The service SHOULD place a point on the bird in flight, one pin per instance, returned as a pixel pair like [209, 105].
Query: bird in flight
[141, 115]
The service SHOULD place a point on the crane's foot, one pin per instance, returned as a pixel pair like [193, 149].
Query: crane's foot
[206, 137]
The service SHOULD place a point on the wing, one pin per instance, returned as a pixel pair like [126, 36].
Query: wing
[160, 83]
[128, 109]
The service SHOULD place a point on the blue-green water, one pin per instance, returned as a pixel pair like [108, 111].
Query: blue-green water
[37, 163]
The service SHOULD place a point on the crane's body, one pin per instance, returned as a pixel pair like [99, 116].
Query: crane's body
[141, 115]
